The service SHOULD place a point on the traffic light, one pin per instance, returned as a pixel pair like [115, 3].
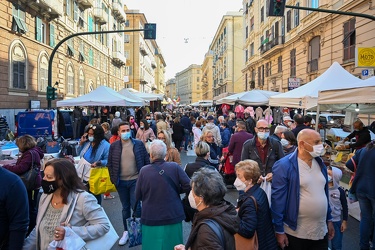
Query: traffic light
[50, 93]
[149, 31]
[276, 8]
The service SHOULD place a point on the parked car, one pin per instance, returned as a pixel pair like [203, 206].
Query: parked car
[331, 120]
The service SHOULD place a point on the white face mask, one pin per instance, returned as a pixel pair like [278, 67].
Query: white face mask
[284, 142]
[192, 201]
[318, 150]
[240, 186]
[289, 124]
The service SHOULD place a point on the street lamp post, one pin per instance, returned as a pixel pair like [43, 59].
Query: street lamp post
[150, 32]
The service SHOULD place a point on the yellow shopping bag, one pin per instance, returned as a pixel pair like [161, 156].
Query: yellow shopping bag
[338, 157]
[100, 182]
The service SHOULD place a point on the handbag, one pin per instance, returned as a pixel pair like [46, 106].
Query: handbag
[83, 169]
[248, 243]
[29, 177]
[100, 182]
[134, 226]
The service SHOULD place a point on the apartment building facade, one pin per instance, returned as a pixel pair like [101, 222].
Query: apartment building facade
[227, 48]
[171, 89]
[146, 66]
[282, 53]
[188, 84]
[207, 76]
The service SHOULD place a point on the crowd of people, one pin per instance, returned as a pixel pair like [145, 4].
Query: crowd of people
[302, 208]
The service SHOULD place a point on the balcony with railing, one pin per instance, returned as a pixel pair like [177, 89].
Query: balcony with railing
[272, 47]
[312, 66]
[153, 64]
[118, 57]
[100, 15]
[118, 11]
[85, 4]
[51, 8]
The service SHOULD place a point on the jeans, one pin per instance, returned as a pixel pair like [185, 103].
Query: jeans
[366, 226]
[126, 192]
[336, 242]
[33, 208]
[298, 244]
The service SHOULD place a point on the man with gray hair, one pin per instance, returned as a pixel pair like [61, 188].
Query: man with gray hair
[158, 187]
[279, 130]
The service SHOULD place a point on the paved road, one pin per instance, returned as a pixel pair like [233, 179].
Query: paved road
[113, 209]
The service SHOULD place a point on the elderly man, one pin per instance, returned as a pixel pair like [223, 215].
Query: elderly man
[300, 205]
[159, 186]
[279, 130]
[263, 149]
[361, 134]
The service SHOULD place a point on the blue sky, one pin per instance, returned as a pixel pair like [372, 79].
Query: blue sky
[194, 21]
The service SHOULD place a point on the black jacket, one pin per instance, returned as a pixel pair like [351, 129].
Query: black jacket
[200, 162]
[275, 153]
[362, 138]
[202, 236]
[178, 132]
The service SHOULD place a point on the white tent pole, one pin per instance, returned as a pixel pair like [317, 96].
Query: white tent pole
[317, 118]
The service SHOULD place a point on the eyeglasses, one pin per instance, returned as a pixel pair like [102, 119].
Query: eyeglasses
[161, 138]
[260, 129]
[92, 126]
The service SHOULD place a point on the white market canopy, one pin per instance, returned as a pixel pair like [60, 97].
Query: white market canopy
[306, 96]
[144, 96]
[361, 92]
[205, 103]
[125, 92]
[102, 96]
[253, 97]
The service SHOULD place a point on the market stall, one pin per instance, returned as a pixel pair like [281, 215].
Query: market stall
[253, 97]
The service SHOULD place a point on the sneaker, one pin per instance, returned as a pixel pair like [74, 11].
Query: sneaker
[124, 238]
[107, 197]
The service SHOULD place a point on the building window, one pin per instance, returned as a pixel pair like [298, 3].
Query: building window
[293, 63]
[52, 42]
[40, 30]
[19, 19]
[288, 21]
[246, 55]
[251, 49]
[127, 38]
[314, 3]
[70, 80]
[262, 14]
[296, 16]
[81, 19]
[18, 66]
[247, 32]
[91, 57]
[81, 90]
[279, 64]
[70, 46]
[252, 24]
[43, 73]
[314, 54]
[349, 39]
[82, 56]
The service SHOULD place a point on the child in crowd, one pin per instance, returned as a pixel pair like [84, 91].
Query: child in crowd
[339, 207]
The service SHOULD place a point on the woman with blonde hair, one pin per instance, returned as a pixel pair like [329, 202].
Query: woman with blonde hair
[172, 153]
[255, 214]
[208, 137]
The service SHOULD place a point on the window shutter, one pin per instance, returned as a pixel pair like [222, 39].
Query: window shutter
[38, 29]
[90, 24]
[51, 35]
[76, 11]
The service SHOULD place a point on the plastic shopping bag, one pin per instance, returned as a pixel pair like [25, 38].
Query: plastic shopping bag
[266, 186]
[100, 181]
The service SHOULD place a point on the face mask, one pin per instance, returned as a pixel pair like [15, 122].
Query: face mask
[318, 150]
[263, 135]
[49, 186]
[142, 127]
[192, 201]
[240, 186]
[148, 121]
[329, 178]
[125, 136]
[284, 142]
[289, 124]
[91, 138]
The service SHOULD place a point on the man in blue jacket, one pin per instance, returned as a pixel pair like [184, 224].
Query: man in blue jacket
[126, 158]
[299, 201]
[185, 121]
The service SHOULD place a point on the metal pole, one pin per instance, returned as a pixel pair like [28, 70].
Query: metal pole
[67, 38]
[332, 11]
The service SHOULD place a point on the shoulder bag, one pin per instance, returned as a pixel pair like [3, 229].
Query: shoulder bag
[245, 243]
[29, 177]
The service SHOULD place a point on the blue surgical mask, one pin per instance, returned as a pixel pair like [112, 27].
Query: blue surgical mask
[125, 136]
[263, 135]
[91, 138]
[329, 178]
[284, 142]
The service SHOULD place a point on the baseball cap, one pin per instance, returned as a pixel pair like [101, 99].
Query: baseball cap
[210, 118]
